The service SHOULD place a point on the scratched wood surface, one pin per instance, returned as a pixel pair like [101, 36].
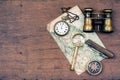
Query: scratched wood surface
[28, 52]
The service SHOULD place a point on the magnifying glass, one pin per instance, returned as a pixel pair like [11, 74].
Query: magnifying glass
[78, 41]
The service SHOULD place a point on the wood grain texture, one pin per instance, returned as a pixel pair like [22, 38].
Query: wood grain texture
[28, 52]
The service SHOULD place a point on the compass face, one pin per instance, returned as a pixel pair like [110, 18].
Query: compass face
[61, 28]
[94, 68]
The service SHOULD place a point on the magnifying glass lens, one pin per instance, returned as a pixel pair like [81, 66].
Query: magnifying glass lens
[78, 40]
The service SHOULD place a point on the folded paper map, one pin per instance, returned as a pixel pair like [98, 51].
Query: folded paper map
[85, 53]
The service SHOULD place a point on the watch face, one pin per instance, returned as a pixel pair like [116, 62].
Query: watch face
[61, 28]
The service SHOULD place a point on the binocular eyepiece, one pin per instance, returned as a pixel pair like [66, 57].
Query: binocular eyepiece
[101, 21]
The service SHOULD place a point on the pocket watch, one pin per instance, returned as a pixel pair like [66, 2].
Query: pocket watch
[61, 28]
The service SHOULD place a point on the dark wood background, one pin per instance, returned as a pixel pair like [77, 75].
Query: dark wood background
[28, 52]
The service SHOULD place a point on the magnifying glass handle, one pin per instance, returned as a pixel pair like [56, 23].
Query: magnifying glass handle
[74, 58]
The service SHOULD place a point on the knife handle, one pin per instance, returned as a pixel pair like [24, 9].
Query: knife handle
[106, 52]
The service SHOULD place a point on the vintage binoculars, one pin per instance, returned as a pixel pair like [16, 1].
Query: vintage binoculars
[98, 22]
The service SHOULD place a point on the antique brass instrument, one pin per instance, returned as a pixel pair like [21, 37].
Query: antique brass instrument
[88, 21]
[98, 22]
[108, 21]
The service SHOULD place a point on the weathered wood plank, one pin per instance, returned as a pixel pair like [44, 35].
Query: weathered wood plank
[28, 52]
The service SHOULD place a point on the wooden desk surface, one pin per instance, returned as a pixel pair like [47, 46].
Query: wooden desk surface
[28, 52]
